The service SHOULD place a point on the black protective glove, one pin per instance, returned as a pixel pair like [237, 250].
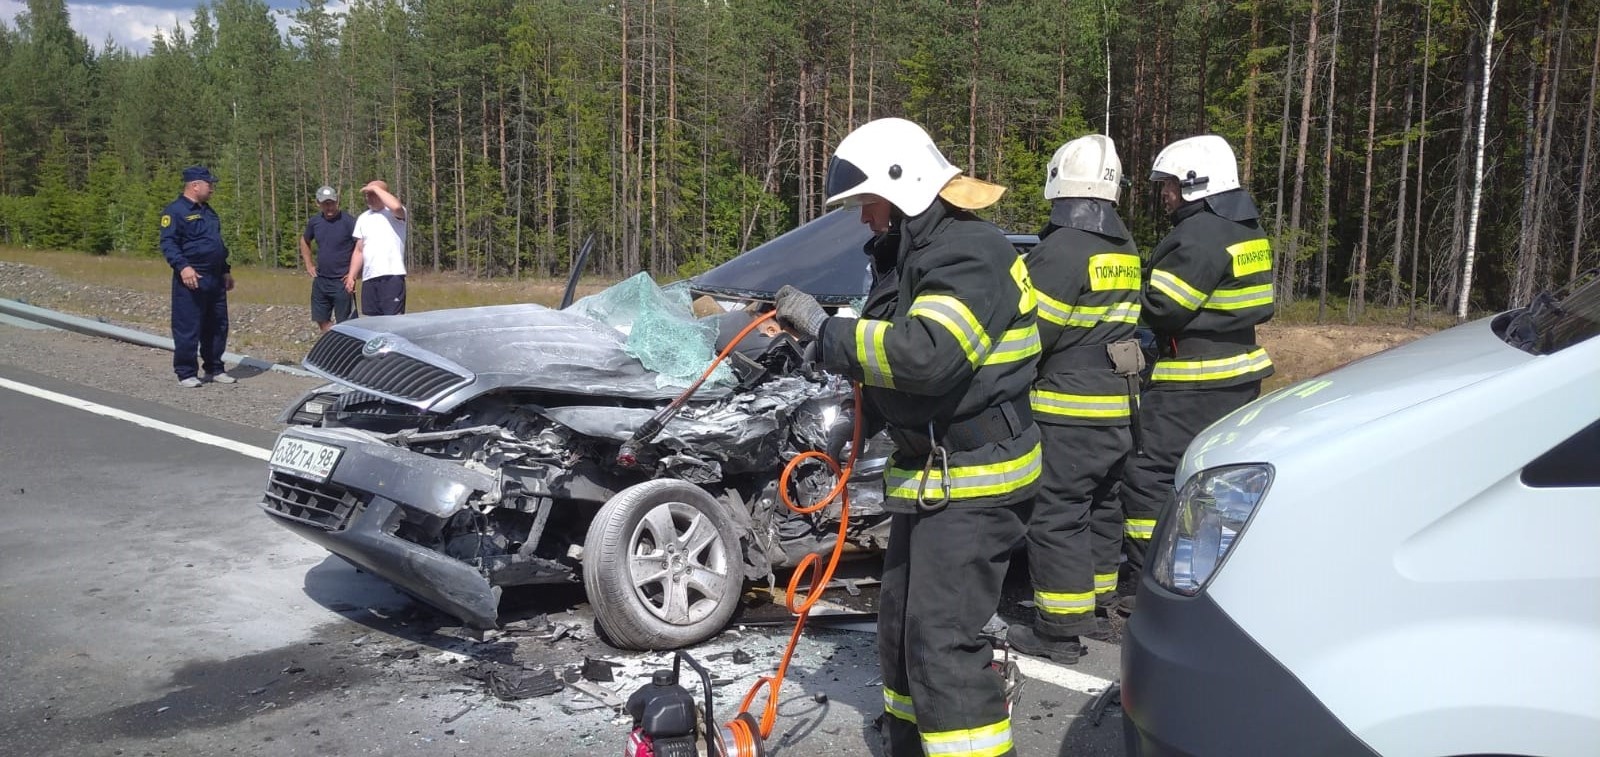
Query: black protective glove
[800, 312]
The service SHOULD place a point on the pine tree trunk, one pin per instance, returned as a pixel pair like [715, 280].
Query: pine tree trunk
[463, 257]
[1537, 262]
[972, 89]
[1250, 87]
[1399, 256]
[1477, 171]
[1422, 143]
[1286, 286]
[433, 184]
[1283, 161]
[1327, 162]
[1358, 298]
[630, 250]
[1581, 213]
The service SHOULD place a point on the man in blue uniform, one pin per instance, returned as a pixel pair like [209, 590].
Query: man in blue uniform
[191, 240]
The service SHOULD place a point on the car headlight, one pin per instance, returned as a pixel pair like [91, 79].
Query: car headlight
[1212, 510]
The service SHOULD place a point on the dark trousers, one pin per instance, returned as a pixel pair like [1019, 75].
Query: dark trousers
[199, 323]
[383, 295]
[1075, 529]
[1172, 419]
[941, 582]
[330, 301]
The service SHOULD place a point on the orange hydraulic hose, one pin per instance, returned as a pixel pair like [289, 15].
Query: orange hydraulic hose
[744, 741]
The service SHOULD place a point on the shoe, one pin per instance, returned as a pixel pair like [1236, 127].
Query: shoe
[1126, 604]
[1063, 649]
[189, 383]
[1103, 631]
[222, 378]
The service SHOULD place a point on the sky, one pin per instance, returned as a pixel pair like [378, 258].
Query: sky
[132, 26]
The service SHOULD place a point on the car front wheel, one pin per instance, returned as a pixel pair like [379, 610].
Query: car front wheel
[660, 564]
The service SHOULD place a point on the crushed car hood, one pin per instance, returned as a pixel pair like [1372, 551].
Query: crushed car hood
[518, 347]
[1319, 409]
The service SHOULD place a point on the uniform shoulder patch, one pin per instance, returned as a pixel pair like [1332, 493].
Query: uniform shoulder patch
[166, 220]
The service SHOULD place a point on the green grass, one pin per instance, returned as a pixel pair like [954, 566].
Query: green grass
[290, 287]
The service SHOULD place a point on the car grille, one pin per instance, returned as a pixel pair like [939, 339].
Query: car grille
[393, 374]
[329, 507]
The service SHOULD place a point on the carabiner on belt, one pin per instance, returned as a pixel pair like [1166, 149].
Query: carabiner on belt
[935, 451]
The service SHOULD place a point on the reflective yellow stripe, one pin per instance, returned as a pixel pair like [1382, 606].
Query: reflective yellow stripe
[1015, 345]
[1113, 270]
[898, 705]
[1178, 289]
[1105, 583]
[1060, 603]
[952, 314]
[870, 354]
[1239, 299]
[1079, 405]
[1029, 298]
[1139, 528]
[987, 741]
[1089, 316]
[1212, 370]
[970, 481]
[1250, 257]
[1053, 310]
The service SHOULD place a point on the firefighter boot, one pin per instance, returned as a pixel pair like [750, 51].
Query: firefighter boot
[1034, 643]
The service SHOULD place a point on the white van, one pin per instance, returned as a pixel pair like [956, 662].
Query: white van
[1400, 558]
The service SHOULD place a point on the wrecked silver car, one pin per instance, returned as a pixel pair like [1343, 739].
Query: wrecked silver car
[458, 452]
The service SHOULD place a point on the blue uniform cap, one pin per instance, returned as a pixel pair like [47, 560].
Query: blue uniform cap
[198, 173]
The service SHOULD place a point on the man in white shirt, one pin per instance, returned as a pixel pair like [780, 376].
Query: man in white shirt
[380, 258]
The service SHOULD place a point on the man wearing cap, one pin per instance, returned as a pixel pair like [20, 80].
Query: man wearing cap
[333, 230]
[191, 241]
[946, 360]
[380, 254]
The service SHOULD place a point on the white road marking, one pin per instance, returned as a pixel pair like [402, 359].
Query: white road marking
[248, 450]
[1060, 675]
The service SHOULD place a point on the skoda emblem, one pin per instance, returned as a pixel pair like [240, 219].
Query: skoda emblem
[377, 346]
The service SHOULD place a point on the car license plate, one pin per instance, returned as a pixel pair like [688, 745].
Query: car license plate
[309, 459]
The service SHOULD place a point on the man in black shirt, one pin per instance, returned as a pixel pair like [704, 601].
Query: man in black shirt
[332, 229]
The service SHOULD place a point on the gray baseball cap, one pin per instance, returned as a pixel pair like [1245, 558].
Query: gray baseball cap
[327, 193]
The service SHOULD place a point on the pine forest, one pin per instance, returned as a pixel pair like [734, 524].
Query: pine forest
[1427, 154]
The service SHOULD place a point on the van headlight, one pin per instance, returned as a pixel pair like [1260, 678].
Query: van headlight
[1212, 510]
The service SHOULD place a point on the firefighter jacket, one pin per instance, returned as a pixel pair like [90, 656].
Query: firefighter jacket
[1209, 284]
[1085, 273]
[951, 351]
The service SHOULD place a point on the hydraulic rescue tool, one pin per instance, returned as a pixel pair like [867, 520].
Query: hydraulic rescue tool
[664, 721]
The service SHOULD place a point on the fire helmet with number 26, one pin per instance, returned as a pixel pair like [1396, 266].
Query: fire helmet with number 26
[1085, 167]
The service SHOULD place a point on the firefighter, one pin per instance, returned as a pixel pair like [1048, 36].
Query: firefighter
[946, 360]
[1208, 285]
[1085, 273]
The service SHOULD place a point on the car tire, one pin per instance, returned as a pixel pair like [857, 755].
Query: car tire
[661, 566]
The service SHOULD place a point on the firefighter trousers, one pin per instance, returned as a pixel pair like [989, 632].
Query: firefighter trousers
[941, 582]
[1172, 419]
[1075, 529]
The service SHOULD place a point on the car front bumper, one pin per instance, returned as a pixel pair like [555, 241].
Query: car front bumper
[1194, 683]
[372, 490]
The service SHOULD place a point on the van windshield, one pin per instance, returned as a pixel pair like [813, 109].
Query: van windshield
[1552, 324]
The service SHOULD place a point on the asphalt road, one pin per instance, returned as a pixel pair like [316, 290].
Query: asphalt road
[146, 607]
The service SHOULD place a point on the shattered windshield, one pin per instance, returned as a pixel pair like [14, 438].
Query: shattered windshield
[661, 329]
[1552, 324]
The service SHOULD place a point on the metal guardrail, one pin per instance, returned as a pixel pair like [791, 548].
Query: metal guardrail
[92, 327]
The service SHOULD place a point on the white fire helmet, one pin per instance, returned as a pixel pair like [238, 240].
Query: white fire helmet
[1085, 167]
[892, 158]
[1203, 165]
